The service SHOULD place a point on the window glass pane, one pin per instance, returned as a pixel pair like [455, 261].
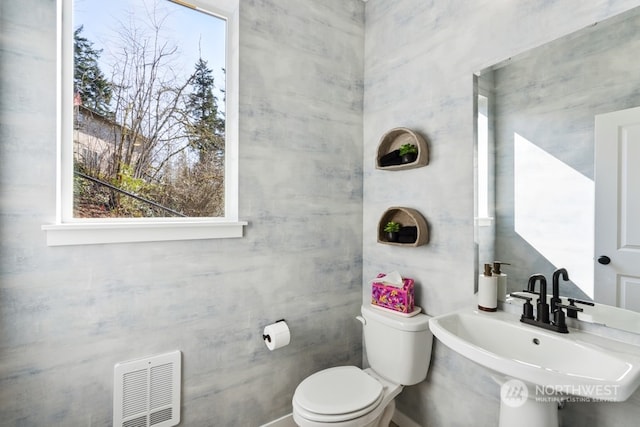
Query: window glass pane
[149, 110]
[483, 157]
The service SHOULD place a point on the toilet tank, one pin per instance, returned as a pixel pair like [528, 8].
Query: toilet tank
[398, 347]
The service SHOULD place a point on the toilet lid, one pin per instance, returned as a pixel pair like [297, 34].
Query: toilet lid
[341, 390]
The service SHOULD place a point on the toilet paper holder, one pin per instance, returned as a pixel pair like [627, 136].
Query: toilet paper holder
[267, 337]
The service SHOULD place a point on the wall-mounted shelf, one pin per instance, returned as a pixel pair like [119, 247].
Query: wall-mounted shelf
[407, 217]
[393, 140]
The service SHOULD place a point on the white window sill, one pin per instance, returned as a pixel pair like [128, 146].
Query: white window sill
[89, 233]
[484, 221]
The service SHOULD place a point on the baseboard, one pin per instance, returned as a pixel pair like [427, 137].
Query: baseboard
[285, 421]
[402, 420]
[398, 417]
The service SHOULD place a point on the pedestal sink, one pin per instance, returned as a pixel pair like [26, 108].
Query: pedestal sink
[546, 364]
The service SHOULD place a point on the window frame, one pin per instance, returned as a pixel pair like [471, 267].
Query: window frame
[487, 218]
[67, 230]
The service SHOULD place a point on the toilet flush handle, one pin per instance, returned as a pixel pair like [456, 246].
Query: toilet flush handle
[361, 319]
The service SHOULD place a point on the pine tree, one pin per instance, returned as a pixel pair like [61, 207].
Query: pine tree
[89, 83]
[206, 129]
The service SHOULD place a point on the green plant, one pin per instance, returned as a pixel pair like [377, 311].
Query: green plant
[408, 149]
[392, 227]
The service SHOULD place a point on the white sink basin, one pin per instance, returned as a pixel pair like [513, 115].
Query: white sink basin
[577, 363]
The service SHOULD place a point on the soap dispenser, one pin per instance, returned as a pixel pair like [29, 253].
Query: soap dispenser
[487, 290]
[502, 279]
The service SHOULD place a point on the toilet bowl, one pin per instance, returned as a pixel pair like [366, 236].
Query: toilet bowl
[399, 352]
[344, 396]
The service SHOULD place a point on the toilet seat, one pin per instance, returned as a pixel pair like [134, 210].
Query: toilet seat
[337, 394]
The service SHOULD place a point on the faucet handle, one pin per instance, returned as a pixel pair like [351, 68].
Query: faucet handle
[570, 307]
[527, 308]
[579, 301]
[572, 310]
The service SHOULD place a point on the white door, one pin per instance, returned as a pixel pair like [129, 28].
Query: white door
[617, 212]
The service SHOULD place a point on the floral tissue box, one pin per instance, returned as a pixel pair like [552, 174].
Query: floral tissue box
[391, 297]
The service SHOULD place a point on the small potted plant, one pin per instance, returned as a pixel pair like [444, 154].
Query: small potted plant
[392, 229]
[408, 153]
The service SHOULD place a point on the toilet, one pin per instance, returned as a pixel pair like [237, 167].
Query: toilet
[398, 349]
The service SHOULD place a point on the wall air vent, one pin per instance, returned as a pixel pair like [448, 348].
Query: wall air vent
[146, 392]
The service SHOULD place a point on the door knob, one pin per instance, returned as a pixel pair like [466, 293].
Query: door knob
[604, 260]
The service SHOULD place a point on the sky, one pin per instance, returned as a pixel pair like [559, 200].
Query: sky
[188, 28]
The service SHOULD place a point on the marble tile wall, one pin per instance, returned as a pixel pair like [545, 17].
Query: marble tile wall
[419, 60]
[68, 314]
[310, 125]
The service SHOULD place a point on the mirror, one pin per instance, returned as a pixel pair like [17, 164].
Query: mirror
[535, 150]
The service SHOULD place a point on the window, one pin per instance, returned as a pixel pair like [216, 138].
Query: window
[484, 157]
[148, 121]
